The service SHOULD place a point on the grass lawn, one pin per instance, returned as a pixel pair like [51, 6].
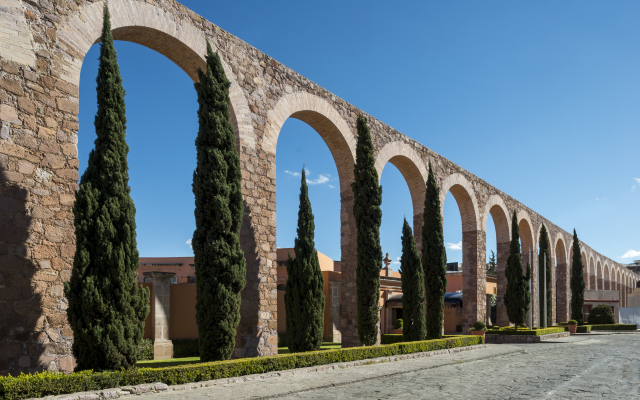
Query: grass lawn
[324, 346]
[172, 362]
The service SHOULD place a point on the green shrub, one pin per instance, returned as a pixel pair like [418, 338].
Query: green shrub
[458, 328]
[510, 330]
[479, 326]
[583, 329]
[54, 383]
[572, 322]
[391, 338]
[185, 348]
[398, 324]
[145, 350]
[601, 314]
[282, 339]
[614, 327]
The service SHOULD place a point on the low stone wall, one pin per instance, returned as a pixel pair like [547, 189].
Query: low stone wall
[498, 339]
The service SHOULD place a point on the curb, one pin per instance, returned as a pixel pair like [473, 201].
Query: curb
[158, 387]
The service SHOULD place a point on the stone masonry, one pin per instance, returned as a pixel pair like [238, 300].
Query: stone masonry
[42, 46]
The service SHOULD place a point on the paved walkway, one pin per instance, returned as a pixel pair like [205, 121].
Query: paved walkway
[596, 366]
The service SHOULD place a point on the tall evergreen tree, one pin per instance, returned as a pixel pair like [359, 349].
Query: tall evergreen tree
[106, 309]
[413, 315]
[517, 297]
[367, 197]
[434, 259]
[492, 267]
[577, 282]
[220, 263]
[544, 253]
[304, 295]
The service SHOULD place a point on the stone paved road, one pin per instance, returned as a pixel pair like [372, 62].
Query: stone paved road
[597, 366]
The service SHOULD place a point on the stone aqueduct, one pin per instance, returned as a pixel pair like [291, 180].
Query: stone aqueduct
[42, 46]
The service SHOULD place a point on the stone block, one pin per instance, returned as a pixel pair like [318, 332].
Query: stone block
[9, 114]
[11, 176]
[67, 364]
[67, 106]
[162, 349]
[26, 105]
[12, 86]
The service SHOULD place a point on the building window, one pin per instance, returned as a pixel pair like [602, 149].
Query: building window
[282, 263]
[191, 279]
[173, 280]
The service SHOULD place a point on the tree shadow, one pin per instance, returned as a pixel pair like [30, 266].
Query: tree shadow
[29, 341]
[250, 337]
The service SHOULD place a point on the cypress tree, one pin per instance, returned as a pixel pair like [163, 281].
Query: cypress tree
[434, 259]
[544, 253]
[367, 195]
[106, 309]
[219, 260]
[577, 282]
[304, 295]
[517, 296]
[413, 328]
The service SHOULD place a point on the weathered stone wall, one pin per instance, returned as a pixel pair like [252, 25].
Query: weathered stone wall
[41, 52]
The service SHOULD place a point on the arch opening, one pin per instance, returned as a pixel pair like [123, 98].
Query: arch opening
[563, 284]
[469, 247]
[497, 251]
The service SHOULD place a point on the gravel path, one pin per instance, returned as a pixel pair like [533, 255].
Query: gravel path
[595, 366]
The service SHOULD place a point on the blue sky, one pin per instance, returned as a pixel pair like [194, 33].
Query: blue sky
[540, 99]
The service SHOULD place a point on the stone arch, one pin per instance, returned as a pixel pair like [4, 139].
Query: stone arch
[562, 286]
[539, 268]
[473, 248]
[607, 277]
[500, 214]
[528, 250]
[585, 268]
[464, 194]
[150, 26]
[526, 236]
[593, 274]
[324, 119]
[600, 273]
[404, 157]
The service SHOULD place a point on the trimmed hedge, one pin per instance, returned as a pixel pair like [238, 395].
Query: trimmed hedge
[614, 327]
[54, 383]
[604, 327]
[537, 332]
[583, 329]
[398, 338]
[185, 348]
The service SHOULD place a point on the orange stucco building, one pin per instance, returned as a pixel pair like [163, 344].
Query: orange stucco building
[182, 292]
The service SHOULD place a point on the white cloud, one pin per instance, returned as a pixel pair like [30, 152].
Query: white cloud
[631, 254]
[320, 180]
[454, 246]
[636, 184]
[602, 198]
[397, 262]
[296, 174]
[331, 187]
[189, 243]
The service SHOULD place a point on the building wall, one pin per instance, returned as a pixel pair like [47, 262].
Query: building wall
[183, 312]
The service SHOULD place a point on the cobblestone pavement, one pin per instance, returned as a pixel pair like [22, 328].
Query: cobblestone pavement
[596, 366]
